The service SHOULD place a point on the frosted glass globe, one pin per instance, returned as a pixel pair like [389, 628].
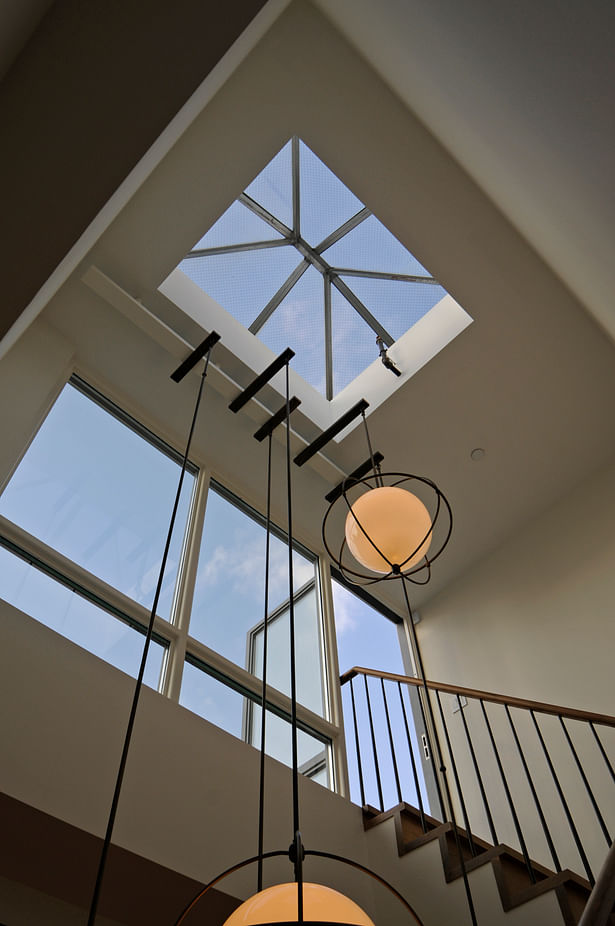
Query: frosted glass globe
[278, 904]
[396, 520]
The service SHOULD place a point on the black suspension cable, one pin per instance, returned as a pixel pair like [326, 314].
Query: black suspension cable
[375, 465]
[261, 798]
[139, 682]
[451, 812]
[297, 851]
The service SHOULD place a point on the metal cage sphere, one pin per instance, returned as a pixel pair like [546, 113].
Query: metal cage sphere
[397, 524]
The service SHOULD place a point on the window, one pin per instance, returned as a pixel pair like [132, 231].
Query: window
[368, 638]
[228, 608]
[83, 523]
[94, 494]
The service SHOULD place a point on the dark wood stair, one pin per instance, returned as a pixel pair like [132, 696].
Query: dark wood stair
[512, 877]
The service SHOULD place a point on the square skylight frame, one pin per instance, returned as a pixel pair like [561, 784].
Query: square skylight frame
[427, 336]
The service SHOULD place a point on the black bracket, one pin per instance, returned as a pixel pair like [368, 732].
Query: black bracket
[250, 391]
[271, 424]
[193, 358]
[355, 476]
[331, 431]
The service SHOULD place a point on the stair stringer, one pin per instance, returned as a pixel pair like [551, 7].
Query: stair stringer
[496, 875]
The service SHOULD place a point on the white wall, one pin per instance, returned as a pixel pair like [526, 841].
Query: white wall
[535, 620]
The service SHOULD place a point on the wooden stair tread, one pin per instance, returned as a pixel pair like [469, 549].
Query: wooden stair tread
[511, 875]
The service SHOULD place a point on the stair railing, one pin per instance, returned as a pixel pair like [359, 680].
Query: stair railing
[538, 777]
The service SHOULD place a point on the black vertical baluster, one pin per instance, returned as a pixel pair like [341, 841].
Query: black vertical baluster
[509, 797]
[391, 743]
[573, 829]
[530, 782]
[590, 793]
[455, 773]
[412, 760]
[602, 750]
[357, 745]
[374, 749]
[481, 786]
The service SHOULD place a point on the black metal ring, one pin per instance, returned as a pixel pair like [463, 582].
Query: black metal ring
[317, 854]
[422, 570]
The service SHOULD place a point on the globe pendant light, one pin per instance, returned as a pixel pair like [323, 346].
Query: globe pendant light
[388, 526]
[278, 904]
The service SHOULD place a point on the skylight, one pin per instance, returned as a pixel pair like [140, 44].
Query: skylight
[300, 262]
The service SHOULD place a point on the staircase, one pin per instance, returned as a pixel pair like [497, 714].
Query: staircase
[539, 772]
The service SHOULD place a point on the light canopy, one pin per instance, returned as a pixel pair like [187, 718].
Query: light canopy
[278, 904]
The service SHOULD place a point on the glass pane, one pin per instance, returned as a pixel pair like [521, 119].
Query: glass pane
[307, 646]
[397, 305]
[237, 225]
[364, 636]
[326, 203]
[273, 187]
[354, 342]
[99, 493]
[298, 322]
[76, 618]
[371, 246]
[243, 282]
[229, 597]
[227, 708]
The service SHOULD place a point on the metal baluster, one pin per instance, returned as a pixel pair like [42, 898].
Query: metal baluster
[602, 750]
[543, 821]
[573, 829]
[393, 756]
[432, 755]
[357, 745]
[481, 786]
[455, 773]
[412, 760]
[590, 793]
[375, 752]
[511, 805]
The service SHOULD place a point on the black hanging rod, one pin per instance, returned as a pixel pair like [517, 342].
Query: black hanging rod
[279, 416]
[354, 476]
[258, 383]
[334, 429]
[195, 356]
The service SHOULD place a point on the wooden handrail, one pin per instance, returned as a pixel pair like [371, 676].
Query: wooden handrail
[523, 703]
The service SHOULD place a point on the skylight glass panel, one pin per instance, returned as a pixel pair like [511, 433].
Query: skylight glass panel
[303, 263]
[353, 342]
[273, 187]
[299, 321]
[371, 246]
[243, 282]
[325, 202]
[398, 305]
[237, 225]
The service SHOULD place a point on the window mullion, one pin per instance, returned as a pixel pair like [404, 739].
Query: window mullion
[332, 675]
[184, 595]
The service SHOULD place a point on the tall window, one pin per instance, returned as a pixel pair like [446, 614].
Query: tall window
[83, 523]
